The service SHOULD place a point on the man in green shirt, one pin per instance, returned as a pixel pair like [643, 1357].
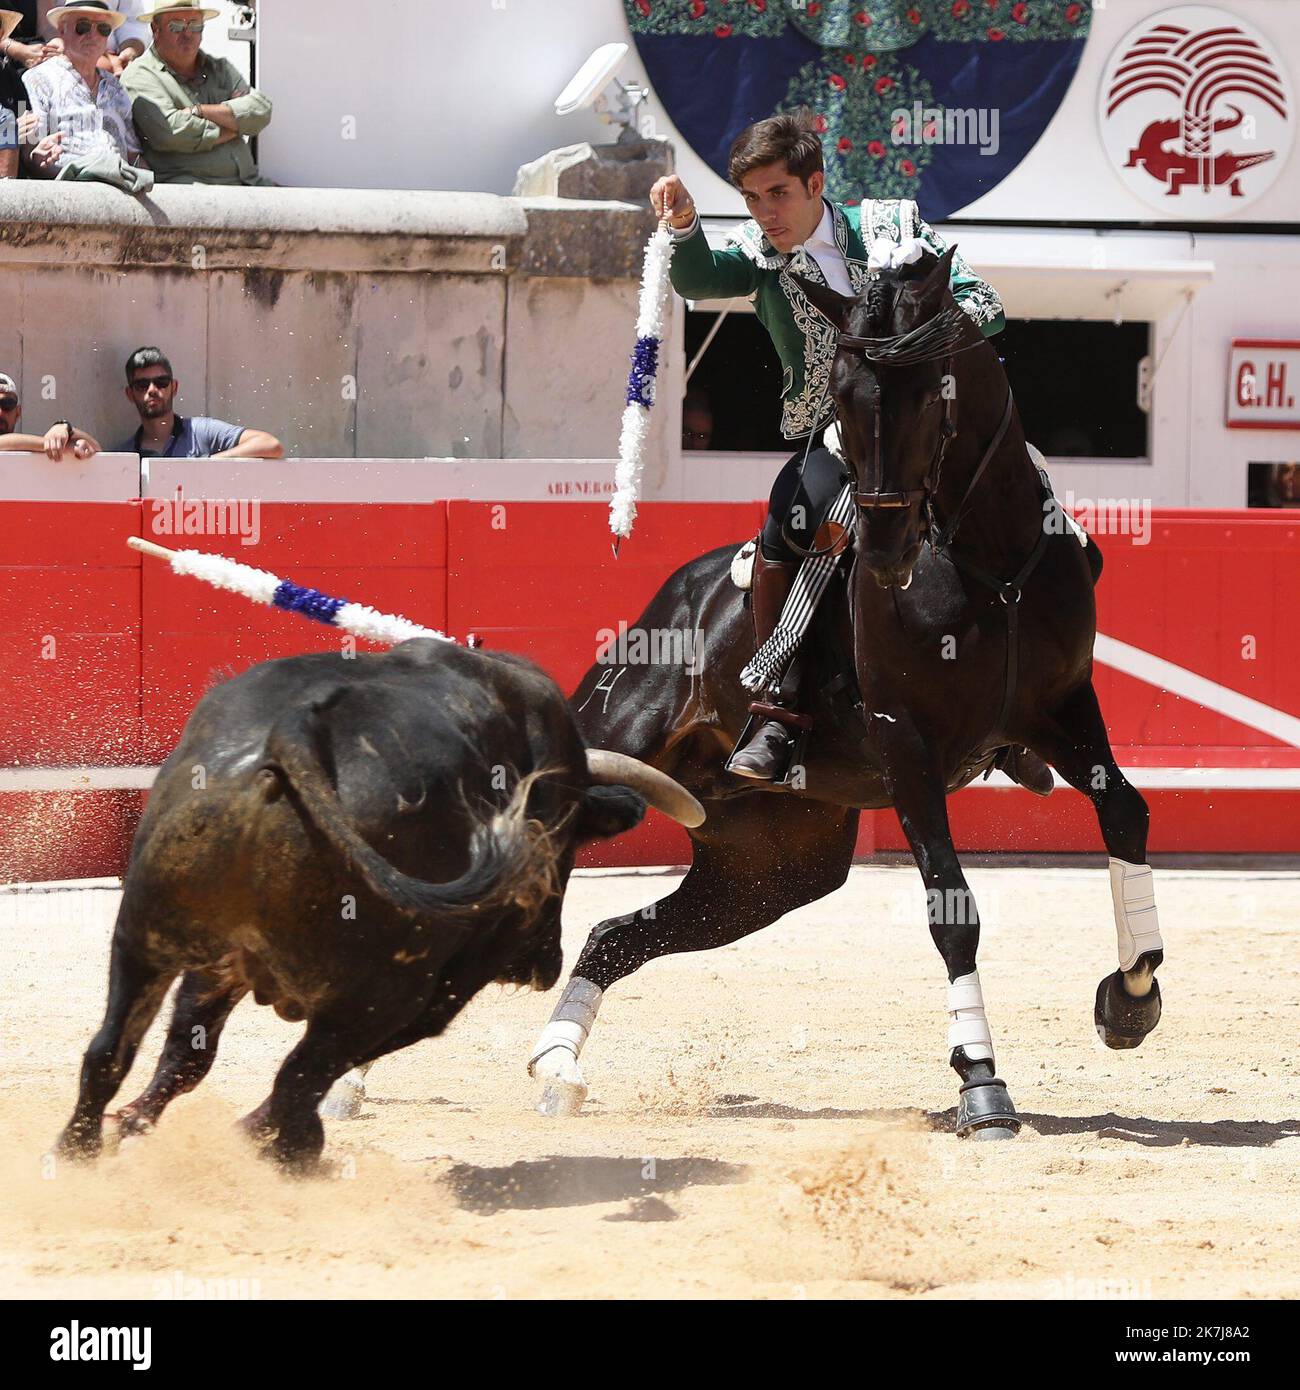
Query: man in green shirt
[777, 165]
[194, 112]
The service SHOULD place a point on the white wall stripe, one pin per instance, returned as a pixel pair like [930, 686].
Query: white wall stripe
[1154, 670]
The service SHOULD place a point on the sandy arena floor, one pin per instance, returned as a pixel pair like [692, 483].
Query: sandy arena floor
[771, 1119]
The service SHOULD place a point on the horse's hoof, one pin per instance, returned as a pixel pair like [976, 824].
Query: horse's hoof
[78, 1145]
[563, 1089]
[343, 1101]
[985, 1111]
[1123, 1021]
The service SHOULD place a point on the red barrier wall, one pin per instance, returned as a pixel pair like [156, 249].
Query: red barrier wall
[134, 647]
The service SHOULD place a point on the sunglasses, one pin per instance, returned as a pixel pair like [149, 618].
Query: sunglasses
[8, 403]
[84, 26]
[143, 383]
[185, 26]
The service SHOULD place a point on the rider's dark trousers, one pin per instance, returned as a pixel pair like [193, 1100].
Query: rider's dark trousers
[810, 486]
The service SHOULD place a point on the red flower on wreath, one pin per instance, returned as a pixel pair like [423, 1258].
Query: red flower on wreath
[644, 7]
[914, 16]
[814, 8]
[723, 31]
[876, 149]
[907, 167]
[759, 5]
[1020, 13]
[959, 7]
[996, 34]
[868, 60]
[883, 84]
[844, 145]
[697, 8]
[837, 81]
[862, 17]
[1072, 13]
[849, 60]
[819, 124]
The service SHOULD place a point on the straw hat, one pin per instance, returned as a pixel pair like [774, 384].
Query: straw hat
[91, 9]
[173, 5]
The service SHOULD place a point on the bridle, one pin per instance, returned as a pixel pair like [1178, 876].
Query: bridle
[949, 332]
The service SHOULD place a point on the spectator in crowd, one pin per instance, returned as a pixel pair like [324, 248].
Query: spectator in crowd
[151, 387]
[194, 112]
[23, 46]
[129, 40]
[83, 116]
[13, 95]
[1283, 485]
[59, 439]
[697, 419]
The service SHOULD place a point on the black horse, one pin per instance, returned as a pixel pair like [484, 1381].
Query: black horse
[966, 625]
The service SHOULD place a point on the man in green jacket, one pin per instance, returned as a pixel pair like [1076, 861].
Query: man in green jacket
[777, 165]
[194, 113]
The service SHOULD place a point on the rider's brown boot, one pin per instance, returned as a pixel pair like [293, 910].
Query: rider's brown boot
[1030, 771]
[765, 752]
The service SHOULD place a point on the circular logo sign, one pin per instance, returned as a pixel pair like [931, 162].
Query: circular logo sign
[1196, 112]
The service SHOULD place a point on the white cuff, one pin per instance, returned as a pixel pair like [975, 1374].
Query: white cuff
[689, 230]
[1137, 927]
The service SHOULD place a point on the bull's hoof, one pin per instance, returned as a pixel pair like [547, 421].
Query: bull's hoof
[1123, 1021]
[985, 1111]
[563, 1089]
[344, 1099]
[80, 1143]
[132, 1122]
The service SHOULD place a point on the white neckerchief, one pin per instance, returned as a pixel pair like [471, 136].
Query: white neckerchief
[822, 248]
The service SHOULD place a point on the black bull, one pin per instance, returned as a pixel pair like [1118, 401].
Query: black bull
[362, 843]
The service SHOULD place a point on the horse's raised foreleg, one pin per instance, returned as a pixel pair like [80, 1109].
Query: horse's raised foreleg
[1127, 1006]
[756, 858]
[984, 1108]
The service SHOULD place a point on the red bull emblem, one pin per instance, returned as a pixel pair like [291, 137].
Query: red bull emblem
[1196, 106]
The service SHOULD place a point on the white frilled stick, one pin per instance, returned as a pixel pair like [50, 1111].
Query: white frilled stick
[383, 629]
[652, 312]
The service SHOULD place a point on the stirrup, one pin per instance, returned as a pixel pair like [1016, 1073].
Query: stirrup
[795, 748]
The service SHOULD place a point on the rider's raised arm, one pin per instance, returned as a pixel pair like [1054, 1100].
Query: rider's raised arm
[975, 295]
[699, 272]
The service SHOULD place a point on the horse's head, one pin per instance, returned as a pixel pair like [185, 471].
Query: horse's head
[888, 381]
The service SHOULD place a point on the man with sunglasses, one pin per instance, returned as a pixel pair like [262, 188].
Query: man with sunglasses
[61, 438]
[194, 112]
[83, 116]
[151, 387]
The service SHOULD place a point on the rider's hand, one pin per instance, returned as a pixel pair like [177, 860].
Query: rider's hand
[669, 195]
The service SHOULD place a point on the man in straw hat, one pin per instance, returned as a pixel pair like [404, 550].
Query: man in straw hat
[83, 117]
[194, 111]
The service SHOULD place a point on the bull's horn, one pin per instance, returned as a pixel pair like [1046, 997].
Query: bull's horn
[617, 769]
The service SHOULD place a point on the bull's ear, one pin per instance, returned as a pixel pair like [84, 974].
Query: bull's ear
[830, 302]
[608, 811]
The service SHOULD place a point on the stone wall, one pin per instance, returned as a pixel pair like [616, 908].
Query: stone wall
[349, 323]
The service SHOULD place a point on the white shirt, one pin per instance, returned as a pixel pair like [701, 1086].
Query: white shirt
[822, 248]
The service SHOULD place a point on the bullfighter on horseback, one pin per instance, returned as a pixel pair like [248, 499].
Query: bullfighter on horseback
[794, 230]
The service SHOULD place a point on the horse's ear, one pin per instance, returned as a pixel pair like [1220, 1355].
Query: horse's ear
[834, 305]
[942, 271]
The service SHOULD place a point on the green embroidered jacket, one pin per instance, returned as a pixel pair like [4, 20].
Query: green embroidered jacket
[750, 267]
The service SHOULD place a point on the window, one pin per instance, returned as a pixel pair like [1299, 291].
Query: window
[1076, 385]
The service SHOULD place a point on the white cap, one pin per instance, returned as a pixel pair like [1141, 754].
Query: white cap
[7, 383]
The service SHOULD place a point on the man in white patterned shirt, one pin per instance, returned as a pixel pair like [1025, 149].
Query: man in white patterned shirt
[83, 115]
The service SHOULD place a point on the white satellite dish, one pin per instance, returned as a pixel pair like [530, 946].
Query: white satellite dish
[594, 86]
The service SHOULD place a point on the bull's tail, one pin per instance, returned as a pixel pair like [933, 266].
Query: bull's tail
[513, 862]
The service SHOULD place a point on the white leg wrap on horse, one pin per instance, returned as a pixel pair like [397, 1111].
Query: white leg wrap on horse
[343, 1102]
[968, 1028]
[572, 1020]
[1137, 927]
